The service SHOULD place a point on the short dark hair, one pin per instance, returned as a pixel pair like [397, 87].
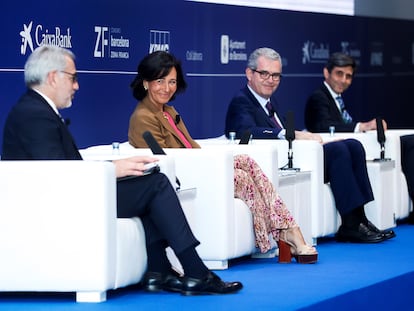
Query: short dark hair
[155, 66]
[339, 59]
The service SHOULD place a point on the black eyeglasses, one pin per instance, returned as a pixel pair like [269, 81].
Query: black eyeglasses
[73, 76]
[266, 74]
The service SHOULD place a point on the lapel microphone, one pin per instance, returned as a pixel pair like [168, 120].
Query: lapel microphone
[177, 119]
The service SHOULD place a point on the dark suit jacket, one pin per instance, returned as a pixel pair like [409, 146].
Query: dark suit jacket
[33, 131]
[246, 113]
[321, 112]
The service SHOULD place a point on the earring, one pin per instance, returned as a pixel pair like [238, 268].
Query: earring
[145, 87]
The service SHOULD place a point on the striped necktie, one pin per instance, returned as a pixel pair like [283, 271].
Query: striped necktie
[345, 115]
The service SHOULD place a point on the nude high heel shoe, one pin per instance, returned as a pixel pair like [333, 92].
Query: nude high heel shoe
[291, 243]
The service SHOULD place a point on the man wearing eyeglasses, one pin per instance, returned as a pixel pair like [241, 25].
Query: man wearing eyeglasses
[254, 109]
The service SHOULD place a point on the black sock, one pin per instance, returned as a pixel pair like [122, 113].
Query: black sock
[363, 215]
[192, 264]
[157, 258]
[352, 219]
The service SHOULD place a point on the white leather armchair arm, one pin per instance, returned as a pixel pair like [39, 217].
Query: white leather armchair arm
[58, 229]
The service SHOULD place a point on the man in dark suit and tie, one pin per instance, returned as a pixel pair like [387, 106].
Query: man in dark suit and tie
[34, 131]
[325, 108]
[345, 166]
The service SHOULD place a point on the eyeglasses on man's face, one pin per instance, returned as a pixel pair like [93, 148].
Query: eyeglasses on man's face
[266, 75]
[73, 76]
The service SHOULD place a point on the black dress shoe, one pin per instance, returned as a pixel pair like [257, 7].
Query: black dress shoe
[360, 235]
[156, 281]
[209, 285]
[388, 234]
[410, 218]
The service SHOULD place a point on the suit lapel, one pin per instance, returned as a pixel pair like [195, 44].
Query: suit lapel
[332, 103]
[259, 111]
[68, 139]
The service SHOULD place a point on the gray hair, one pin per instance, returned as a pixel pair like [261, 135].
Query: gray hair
[265, 52]
[45, 59]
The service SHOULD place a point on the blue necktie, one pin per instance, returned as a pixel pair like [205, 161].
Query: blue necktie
[345, 115]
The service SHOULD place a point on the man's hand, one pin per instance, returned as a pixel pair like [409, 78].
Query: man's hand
[371, 125]
[308, 136]
[133, 166]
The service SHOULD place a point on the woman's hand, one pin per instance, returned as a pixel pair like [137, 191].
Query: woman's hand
[133, 166]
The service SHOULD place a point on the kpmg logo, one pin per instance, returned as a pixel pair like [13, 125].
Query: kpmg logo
[232, 50]
[42, 36]
[315, 53]
[159, 41]
[110, 43]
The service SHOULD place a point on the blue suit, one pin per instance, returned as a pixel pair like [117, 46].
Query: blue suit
[344, 161]
[33, 131]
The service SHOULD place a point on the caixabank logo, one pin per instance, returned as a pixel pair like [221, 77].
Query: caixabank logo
[33, 36]
[313, 52]
[110, 43]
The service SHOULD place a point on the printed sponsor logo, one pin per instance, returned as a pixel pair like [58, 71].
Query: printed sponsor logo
[315, 52]
[193, 56]
[232, 50]
[376, 58]
[224, 49]
[159, 41]
[351, 49]
[110, 43]
[34, 36]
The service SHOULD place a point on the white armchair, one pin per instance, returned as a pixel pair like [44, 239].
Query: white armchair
[299, 194]
[222, 223]
[59, 231]
[397, 198]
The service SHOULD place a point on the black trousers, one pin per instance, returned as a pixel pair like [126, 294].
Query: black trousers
[153, 199]
[407, 161]
[346, 171]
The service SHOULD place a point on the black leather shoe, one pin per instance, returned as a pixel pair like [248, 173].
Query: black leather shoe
[156, 281]
[209, 285]
[388, 234]
[361, 235]
[410, 218]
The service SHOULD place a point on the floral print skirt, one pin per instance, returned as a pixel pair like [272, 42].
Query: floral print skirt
[270, 215]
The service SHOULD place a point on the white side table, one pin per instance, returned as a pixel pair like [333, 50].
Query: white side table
[382, 211]
[295, 190]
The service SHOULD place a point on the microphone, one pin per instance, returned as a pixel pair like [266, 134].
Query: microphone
[156, 149]
[381, 139]
[152, 143]
[290, 126]
[67, 122]
[290, 136]
[177, 119]
[245, 138]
